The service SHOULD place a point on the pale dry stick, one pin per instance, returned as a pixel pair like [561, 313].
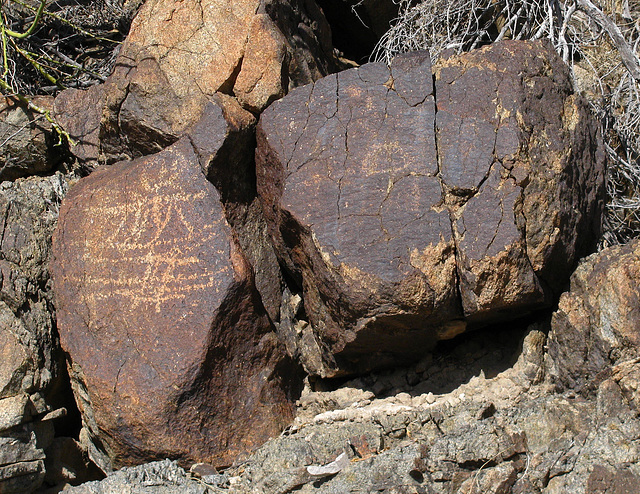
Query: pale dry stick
[629, 58]
[20, 129]
[563, 32]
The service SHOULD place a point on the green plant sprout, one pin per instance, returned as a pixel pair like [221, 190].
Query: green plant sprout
[49, 68]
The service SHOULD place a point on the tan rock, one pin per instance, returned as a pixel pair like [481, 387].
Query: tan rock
[596, 329]
[178, 55]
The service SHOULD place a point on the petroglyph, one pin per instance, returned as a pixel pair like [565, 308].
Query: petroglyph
[156, 303]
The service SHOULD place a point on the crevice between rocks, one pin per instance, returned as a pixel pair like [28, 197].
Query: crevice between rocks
[444, 202]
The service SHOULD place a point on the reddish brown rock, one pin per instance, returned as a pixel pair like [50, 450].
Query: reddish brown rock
[179, 55]
[26, 139]
[347, 173]
[224, 141]
[402, 217]
[521, 162]
[596, 330]
[172, 351]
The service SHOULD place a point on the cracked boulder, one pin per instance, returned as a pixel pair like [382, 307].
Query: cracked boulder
[404, 211]
[178, 55]
[171, 351]
[522, 171]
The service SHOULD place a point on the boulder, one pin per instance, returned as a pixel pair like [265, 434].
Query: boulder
[522, 168]
[171, 351]
[26, 139]
[404, 211]
[595, 333]
[347, 172]
[177, 56]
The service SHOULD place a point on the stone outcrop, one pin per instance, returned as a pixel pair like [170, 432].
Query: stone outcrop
[404, 211]
[30, 392]
[178, 56]
[172, 353]
[496, 432]
[595, 332]
[160, 477]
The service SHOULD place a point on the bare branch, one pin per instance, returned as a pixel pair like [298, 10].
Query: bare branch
[629, 58]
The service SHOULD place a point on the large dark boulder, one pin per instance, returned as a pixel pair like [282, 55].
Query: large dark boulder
[404, 212]
[171, 351]
[522, 168]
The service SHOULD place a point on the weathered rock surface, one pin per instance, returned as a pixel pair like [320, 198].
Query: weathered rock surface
[26, 139]
[404, 212]
[596, 330]
[161, 477]
[29, 211]
[79, 112]
[499, 433]
[29, 357]
[522, 171]
[172, 351]
[177, 56]
[347, 172]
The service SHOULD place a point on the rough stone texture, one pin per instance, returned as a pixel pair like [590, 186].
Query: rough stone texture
[22, 477]
[28, 215]
[596, 329]
[402, 217]
[66, 463]
[336, 203]
[161, 477]
[29, 354]
[79, 112]
[177, 56]
[22, 444]
[172, 352]
[523, 171]
[508, 433]
[26, 139]
[224, 140]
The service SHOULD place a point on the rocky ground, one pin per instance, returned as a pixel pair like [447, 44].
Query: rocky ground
[261, 269]
[504, 427]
